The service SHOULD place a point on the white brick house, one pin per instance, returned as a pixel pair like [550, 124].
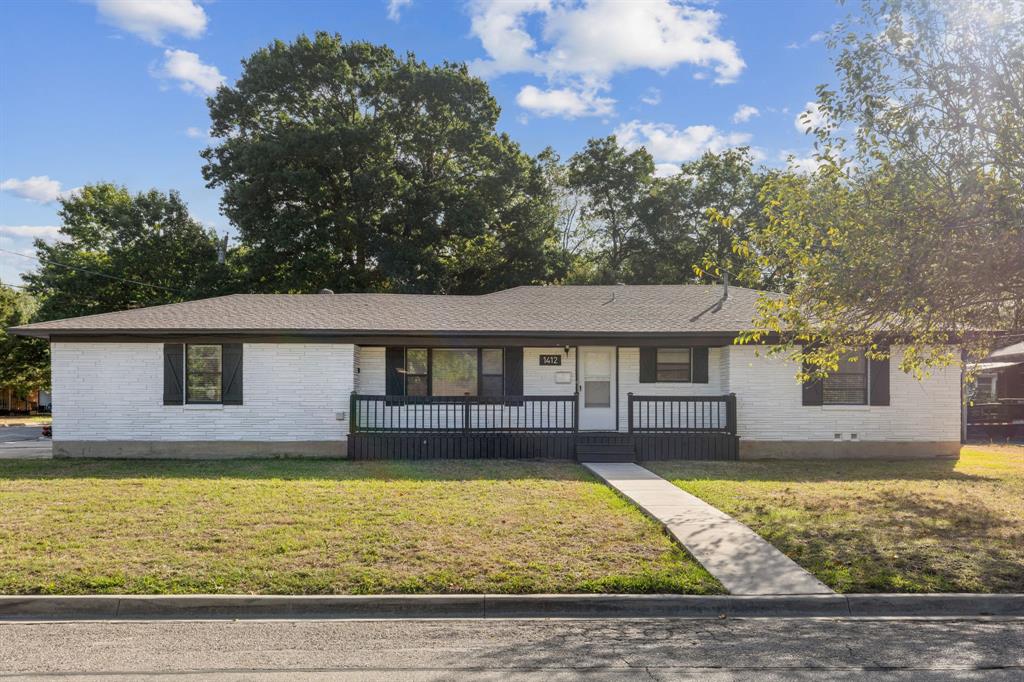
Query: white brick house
[606, 371]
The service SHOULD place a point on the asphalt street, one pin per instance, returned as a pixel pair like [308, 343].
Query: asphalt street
[23, 442]
[549, 650]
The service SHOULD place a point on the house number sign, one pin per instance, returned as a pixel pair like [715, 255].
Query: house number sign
[550, 360]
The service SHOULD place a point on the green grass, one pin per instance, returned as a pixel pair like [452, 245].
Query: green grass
[327, 527]
[876, 526]
[27, 419]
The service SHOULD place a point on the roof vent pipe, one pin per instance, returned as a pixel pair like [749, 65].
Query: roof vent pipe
[325, 291]
[717, 305]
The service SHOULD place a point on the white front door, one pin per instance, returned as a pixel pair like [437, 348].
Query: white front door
[597, 388]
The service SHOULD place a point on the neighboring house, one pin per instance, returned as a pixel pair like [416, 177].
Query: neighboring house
[600, 371]
[13, 402]
[996, 410]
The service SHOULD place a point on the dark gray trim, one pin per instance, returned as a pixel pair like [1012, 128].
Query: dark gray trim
[419, 339]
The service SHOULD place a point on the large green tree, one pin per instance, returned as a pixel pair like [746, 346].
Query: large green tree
[612, 186]
[624, 224]
[346, 166]
[701, 215]
[120, 250]
[913, 226]
[24, 362]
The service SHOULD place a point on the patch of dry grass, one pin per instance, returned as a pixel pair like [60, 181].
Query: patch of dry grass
[877, 526]
[304, 527]
[33, 420]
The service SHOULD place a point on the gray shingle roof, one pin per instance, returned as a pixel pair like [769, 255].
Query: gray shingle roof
[618, 309]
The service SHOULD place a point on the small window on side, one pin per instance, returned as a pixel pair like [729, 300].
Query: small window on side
[849, 384]
[673, 364]
[203, 369]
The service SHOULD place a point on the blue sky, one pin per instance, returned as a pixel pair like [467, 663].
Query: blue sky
[115, 89]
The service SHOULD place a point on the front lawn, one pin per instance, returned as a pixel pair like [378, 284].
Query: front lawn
[327, 527]
[875, 526]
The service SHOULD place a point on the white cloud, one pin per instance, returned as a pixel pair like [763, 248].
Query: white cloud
[801, 164]
[191, 74]
[671, 146]
[46, 232]
[152, 19]
[653, 97]
[198, 133]
[564, 102]
[817, 37]
[810, 118]
[39, 188]
[745, 113]
[395, 8]
[585, 44]
[666, 170]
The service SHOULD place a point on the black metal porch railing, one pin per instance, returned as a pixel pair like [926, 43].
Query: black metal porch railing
[996, 413]
[463, 414]
[681, 414]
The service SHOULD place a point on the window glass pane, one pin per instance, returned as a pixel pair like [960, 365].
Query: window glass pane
[491, 385]
[416, 361]
[848, 385]
[492, 361]
[416, 384]
[985, 389]
[673, 364]
[203, 369]
[454, 371]
[597, 393]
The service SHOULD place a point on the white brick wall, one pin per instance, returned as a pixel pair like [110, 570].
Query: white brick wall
[114, 391]
[769, 404]
[629, 381]
[538, 380]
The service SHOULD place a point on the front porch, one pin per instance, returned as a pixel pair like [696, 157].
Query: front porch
[535, 426]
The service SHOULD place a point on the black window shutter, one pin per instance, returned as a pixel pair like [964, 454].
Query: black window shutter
[394, 381]
[700, 365]
[648, 365]
[878, 382]
[513, 370]
[814, 391]
[174, 365]
[231, 374]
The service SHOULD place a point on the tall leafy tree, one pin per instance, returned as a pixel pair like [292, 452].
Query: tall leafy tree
[24, 362]
[613, 185]
[913, 227]
[347, 166]
[120, 250]
[702, 218]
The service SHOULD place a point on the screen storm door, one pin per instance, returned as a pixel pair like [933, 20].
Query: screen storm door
[597, 389]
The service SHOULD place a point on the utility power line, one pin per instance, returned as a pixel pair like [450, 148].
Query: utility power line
[93, 272]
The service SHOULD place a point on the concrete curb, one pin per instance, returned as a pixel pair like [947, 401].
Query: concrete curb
[188, 607]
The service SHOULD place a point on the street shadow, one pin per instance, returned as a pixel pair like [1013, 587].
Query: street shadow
[287, 469]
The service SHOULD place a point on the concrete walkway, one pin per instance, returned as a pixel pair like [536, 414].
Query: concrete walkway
[740, 558]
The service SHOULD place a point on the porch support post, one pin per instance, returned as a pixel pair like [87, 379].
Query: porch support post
[576, 412]
[353, 417]
[629, 410]
[730, 412]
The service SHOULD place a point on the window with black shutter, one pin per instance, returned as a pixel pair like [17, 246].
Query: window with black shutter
[674, 365]
[203, 374]
[454, 371]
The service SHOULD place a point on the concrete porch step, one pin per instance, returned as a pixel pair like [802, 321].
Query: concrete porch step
[607, 452]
